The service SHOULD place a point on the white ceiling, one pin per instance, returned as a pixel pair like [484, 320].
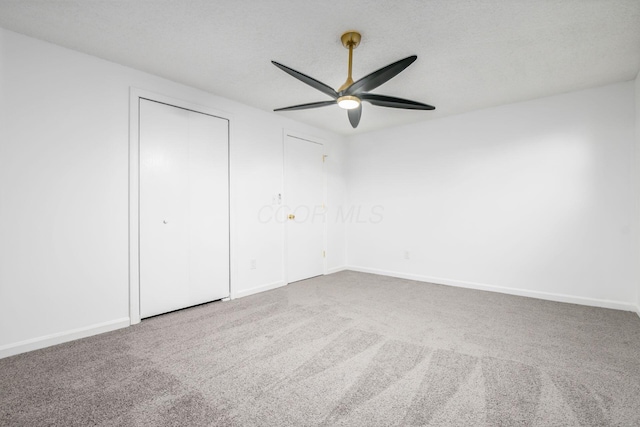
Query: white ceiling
[471, 54]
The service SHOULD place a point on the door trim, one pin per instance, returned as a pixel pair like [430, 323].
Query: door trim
[135, 94]
[285, 248]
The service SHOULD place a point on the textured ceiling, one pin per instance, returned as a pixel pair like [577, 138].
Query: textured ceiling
[471, 54]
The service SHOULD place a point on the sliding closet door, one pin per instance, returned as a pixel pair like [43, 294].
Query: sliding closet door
[184, 208]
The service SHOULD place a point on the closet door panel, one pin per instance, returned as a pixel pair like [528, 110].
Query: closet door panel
[184, 222]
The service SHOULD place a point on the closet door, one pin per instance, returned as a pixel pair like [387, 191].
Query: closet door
[184, 208]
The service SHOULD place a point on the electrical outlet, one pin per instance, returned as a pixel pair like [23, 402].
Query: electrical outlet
[407, 255]
[253, 264]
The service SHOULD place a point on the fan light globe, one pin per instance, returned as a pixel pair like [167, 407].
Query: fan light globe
[348, 102]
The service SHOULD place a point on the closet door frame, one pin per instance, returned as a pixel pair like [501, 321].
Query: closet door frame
[135, 94]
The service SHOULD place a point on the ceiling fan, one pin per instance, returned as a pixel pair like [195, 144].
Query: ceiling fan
[351, 94]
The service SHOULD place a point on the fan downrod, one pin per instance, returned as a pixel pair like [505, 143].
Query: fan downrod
[350, 40]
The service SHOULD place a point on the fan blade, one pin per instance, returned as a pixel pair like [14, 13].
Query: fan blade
[308, 80]
[354, 116]
[392, 102]
[377, 78]
[307, 106]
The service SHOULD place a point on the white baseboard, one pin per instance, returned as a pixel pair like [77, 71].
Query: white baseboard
[257, 289]
[336, 269]
[62, 337]
[618, 305]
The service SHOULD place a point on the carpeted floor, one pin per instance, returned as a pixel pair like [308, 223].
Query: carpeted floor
[349, 349]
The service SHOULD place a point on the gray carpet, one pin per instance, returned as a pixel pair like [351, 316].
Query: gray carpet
[349, 349]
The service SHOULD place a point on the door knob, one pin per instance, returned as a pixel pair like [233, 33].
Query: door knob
[292, 216]
[164, 221]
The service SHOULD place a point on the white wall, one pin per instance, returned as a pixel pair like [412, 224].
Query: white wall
[637, 105]
[64, 191]
[535, 198]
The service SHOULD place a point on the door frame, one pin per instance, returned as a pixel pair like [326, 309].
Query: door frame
[285, 231]
[135, 94]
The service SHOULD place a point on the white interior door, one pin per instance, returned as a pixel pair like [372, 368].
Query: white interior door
[304, 197]
[184, 208]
